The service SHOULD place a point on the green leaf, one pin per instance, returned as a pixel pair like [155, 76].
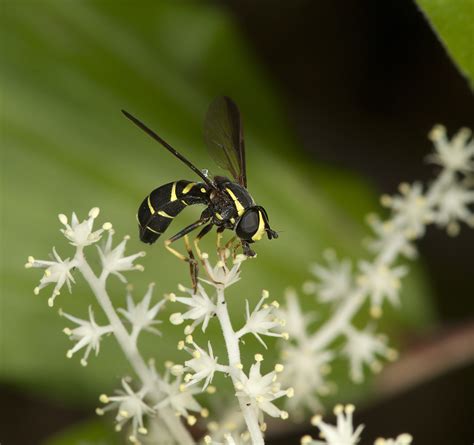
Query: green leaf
[90, 432]
[68, 69]
[453, 21]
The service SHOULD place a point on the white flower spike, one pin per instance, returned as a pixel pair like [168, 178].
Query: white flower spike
[341, 434]
[334, 281]
[203, 366]
[306, 370]
[362, 348]
[80, 234]
[456, 154]
[131, 407]
[402, 439]
[412, 211]
[229, 439]
[88, 335]
[381, 282]
[140, 315]
[295, 321]
[58, 271]
[221, 275]
[113, 259]
[178, 397]
[385, 232]
[454, 208]
[262, 320]
[260, 391]
[202, 308]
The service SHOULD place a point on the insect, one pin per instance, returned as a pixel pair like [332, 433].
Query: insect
[228, 203]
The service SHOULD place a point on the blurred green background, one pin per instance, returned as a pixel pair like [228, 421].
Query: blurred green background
[67, 70]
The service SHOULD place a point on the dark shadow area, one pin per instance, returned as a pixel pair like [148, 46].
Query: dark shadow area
[27, 420]
[364, 82]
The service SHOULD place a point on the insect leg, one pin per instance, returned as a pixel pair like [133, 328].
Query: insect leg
[205, 230]
[189, 259]
[247, 250]
[229, 243]
[180, 234]
[224, 251]
[219, 237]
[193, 265]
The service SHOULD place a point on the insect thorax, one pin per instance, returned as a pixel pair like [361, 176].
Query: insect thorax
[235, 194]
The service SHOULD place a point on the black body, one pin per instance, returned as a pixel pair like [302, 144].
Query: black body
[158, 209]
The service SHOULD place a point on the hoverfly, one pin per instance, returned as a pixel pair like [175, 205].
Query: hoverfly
[228, 203]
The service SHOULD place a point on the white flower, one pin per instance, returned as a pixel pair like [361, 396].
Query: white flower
[362, 348]
[221, 275]
[113, 259]
[203, 364]
[140, 315]
[80, 234]
[260, 391]
[335, 280]
[58, 271]
[456, 154]
[202, 308]
[262, 320]
[229, 439]
[381, 282]
[88, 335]
[305, 369]
[385, 231]
[402, 439]
[342, 434]
[130, 407]
[295, 321]
[412, 210]
[454, 207]
[178, 397]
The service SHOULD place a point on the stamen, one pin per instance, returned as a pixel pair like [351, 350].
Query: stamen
[94, 212]
[62, 219]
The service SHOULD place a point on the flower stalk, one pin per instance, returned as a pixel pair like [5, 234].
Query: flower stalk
[129, 348]
[233, 351]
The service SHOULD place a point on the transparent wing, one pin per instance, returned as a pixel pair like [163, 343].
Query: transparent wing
[224, 137]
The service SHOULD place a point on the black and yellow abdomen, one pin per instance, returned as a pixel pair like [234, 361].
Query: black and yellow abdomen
[164, 203]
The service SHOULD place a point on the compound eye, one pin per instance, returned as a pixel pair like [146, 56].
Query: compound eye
[248, 224]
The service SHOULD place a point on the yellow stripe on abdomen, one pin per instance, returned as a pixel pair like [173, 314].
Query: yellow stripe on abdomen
[163, 213]
[152, 210]
[173, 192]
[188, 188]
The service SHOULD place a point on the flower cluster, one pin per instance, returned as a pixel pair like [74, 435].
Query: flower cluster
[259, 391]
[130, 407]
[202, 366]
[343, 433]
[88, 335]
[305, 368]
[176, 396]
[255, 392]
[141, 316]
[158, 395]
[447, 202]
